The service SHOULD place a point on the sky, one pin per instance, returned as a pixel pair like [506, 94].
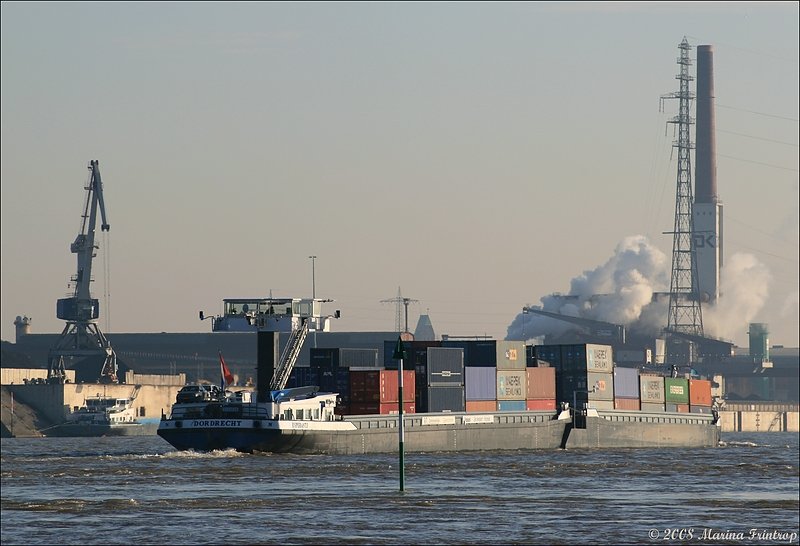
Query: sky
[476, 156]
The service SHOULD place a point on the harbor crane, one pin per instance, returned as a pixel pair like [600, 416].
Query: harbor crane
[81, 336]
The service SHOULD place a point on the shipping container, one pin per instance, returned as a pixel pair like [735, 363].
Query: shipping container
[481, 405]
[511, 384]
[651, 408]
[626, 382]
[587, 356]
[511, 405]
[682, 408]
[676, 390]
[602, 405]
[478, 353]
[338, 381]
[540, 384]
[441, 398]
[700, 409]
[330, 358]
[626, 403]
[580, 383]
[380, 386]
[699, 392]
[510, 355]
[416, 353]
[652, 389]
[540, 405]
[480, 383]
[670, 408]
[302, 376]
[445, 366]
[551, 354]
[364, 408]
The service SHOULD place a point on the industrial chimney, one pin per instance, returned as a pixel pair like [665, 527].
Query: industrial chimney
[707, 209]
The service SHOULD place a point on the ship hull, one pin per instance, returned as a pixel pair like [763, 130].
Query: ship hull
[439, 432]
[369, 434]
[607, 434]
[99, 430]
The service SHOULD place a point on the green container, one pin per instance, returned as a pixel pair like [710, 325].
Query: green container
[676, 390]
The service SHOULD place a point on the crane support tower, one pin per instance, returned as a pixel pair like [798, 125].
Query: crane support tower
[81, 336]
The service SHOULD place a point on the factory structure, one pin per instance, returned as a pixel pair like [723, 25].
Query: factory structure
[764, 374]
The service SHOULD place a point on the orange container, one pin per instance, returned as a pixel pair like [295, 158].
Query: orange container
[699, 392]
[541, 383]
[682, 408]
[626, 403]
[540, 405]
[481, 405]
[380, 386]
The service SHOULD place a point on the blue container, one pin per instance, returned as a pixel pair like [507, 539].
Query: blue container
[480, 383]
[511, 405]
[337, 380]
[626, 382]
[302, 377]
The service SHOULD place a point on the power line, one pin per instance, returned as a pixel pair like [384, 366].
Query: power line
[759, 138]
[758, 163]
[759, 113]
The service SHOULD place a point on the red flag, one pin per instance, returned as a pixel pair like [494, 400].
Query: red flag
[227, 376]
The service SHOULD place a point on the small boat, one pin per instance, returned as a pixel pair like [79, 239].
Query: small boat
[102, 416]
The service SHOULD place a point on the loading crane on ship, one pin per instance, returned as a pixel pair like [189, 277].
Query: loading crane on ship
[81, 336]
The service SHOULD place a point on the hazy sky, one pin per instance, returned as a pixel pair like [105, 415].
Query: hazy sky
[479, 156]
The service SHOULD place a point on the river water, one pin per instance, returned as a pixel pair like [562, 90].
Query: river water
[139, 490]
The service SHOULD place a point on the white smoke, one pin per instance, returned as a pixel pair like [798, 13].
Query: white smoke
[744, 288]
[627, 281]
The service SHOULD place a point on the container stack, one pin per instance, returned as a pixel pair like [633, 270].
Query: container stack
[480, 385]
[586, 375]
[332, 368]
[626, 388]
[511, 376]
[676, 394]
[652, 392]
[540, 389]
[444, 381]
[700, 396]
[375, 391]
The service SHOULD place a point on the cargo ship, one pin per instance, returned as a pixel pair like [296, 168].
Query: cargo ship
[564, 397]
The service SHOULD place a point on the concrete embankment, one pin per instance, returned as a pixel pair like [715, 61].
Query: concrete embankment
[23, 421]
[759, 421]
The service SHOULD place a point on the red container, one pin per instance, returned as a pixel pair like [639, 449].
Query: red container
[362, 408]
[481, 405]
[541, 384]
[380, 386]
[682, 408]
[699, 392]
[540, 405]
[626, 403]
